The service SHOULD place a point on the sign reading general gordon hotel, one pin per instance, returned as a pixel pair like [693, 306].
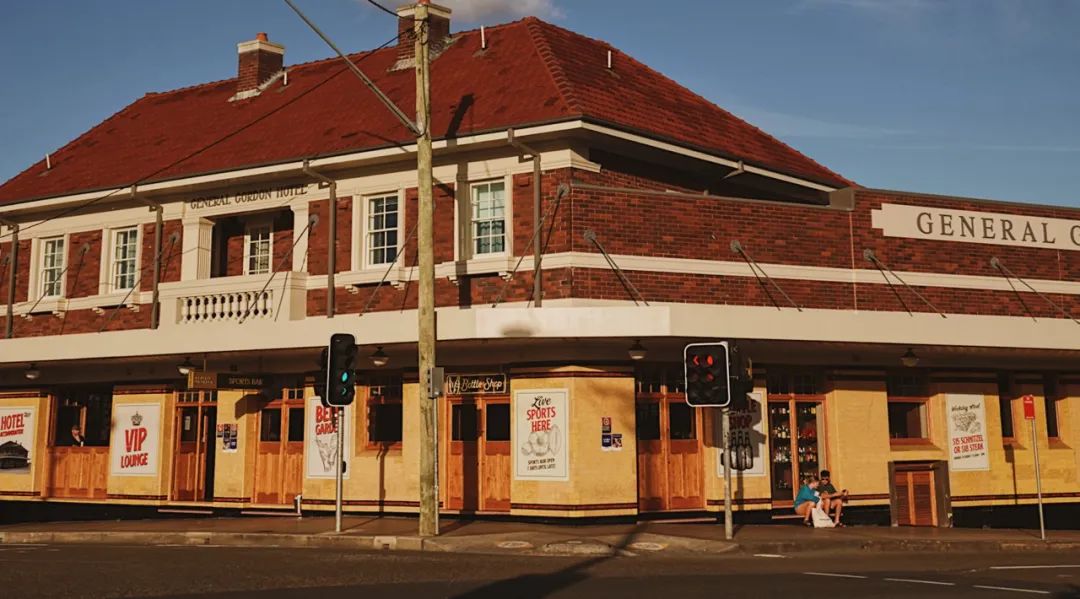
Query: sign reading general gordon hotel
[967, 226]
[247, 196]
[475, 384]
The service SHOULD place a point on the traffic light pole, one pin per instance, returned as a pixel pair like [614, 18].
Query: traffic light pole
[340, 476]
[429, 500]
[725, 434]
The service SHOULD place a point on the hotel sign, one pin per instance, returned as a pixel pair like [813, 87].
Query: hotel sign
[248, 196]
[967, 226]
[475, 384]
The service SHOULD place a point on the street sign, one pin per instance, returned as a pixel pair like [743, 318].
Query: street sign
[1029, 407]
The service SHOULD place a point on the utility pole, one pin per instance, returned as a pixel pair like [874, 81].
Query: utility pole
[429, 447]
[725, 435]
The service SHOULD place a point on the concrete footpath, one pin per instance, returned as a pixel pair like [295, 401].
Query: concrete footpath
[477, 536]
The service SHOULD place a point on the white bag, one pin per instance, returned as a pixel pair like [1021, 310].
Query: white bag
[820, 518]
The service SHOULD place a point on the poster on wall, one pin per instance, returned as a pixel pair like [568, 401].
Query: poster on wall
[136, 435]
[747, 438]
[16, 440]
[542, 427]
[228, 435]
[967, 433]
[321, 439]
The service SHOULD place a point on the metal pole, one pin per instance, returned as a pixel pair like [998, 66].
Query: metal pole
[429, 501]
[1038, 482]
[538, 274]
[340, 414]
[331, 251]
[13, 260]
[725, 428]
[155, 312]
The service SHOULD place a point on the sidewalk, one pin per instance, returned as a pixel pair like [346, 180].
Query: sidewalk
[665, 538]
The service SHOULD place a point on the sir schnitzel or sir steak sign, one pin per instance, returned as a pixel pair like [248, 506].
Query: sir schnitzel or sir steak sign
[967, 226]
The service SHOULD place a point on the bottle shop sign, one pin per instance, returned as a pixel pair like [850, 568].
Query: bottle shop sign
[747, 437]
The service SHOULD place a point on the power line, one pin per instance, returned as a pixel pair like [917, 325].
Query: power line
[93, 201]
[383, 8]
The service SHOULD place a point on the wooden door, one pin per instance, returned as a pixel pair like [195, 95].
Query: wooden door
[78, 472]
[194, 453]
[462, 460]
[916, 498]
[652, 462]
[495, 455]
[670, 456]
[279, 457]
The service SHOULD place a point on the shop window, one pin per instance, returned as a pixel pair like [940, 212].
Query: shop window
[270, 425]
[83, 412]
[1051, 399]
[908, 395]
[489, 218]
[51, 267]
[648, 421]
[124, 258]
[660, 380]
[780, 382]
[498, 422]
[1005, 400]
[382, 229]
[384, 410]
[463, 422]
[189, 425]
[296, 425]
[681, 422]
[258, 249]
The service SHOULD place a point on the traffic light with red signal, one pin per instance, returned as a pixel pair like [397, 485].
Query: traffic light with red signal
[708, 374]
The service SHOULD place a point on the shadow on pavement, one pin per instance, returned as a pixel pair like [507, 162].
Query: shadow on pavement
[535, 586]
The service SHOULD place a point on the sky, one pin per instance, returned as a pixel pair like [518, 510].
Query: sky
[976, 98]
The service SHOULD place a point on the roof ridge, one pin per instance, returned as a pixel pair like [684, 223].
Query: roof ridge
[551, 63]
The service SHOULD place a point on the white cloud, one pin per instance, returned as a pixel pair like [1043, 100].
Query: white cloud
[786, 125]
[890, 8]
[486, 11]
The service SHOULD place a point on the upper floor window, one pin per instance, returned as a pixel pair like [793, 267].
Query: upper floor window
[258, 249]
[124, 258]
[382, 229]
[489, 218]
[908, 396]
[52, 267]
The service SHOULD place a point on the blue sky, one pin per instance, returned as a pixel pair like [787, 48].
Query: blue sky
[964, 97]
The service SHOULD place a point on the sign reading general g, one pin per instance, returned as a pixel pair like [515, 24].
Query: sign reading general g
[968, 226]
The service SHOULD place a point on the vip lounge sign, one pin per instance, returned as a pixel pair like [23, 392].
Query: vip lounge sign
[135, 446]
[475, 384]
[321, 439]
[967, 226]
[16, 440]
[967, 433]
[542, 424]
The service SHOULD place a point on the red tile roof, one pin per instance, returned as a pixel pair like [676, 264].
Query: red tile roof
[532, 72]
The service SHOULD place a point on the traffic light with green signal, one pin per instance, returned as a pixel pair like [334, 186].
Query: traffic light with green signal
[340, 376]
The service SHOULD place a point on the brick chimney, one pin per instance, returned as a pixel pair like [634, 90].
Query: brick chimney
[440, 33]
[259, 61]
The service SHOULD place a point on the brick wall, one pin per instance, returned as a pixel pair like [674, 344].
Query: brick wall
[319, 236]
[170, 253]
[84, 270]
[22, 270]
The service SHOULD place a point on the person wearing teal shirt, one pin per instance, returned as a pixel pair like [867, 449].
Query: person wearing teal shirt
[806, 499]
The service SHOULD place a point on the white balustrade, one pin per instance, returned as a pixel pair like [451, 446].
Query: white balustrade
[230, 306]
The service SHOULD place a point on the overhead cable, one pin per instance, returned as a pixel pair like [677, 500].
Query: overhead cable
[737, 248]
[882, 268]
[1009, 275]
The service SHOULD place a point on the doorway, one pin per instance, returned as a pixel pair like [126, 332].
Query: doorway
[796, 423]
[669, 441]
[478, 456]
[279, 458]
[917, 494]
[79, 443]
[195, 451]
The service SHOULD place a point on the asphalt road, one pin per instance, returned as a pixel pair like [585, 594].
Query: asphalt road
[226, 572]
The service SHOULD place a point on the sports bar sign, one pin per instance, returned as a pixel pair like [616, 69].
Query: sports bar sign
[968, 226]
[210, 380]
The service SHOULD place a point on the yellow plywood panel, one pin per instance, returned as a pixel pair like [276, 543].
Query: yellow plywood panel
[19, 483]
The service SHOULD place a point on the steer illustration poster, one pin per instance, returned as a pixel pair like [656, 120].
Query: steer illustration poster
[321, 439]
[542, 445]
[16, 440]
[136, 440]
[967, 433]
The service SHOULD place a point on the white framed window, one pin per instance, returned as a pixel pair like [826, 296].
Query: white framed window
[124, 261]
[488, 218]
[51, 267]
[258, 248]
[382, 229]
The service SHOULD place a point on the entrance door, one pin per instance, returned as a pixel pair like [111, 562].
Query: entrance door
[478, 456]
[670, 457]
[915, 496]
[196, 422]
[279, 460]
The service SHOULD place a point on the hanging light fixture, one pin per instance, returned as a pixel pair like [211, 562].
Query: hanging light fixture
[32, 373]
[909, 359]
[185, 367]
[379, 358]
[637, 351]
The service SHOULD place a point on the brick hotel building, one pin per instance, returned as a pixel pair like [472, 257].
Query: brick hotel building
[894, 335]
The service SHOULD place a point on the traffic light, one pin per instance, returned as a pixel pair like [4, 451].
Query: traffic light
[707, 374]
[340, 378]
[742, 377]
[320, 377]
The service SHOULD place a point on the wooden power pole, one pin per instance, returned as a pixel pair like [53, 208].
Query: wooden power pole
[429, 447]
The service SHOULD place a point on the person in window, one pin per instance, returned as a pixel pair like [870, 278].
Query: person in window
[77, 438]
[806, 499]
[830, 498]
